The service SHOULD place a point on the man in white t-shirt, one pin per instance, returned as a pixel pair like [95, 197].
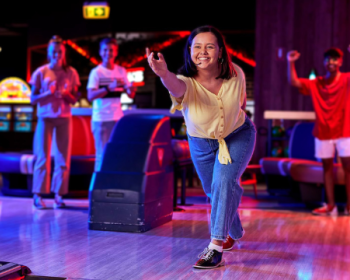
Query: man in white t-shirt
[106, 82]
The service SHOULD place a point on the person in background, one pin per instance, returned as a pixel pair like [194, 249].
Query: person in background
[54, 90]
[106, 82]
[331, 100]
[210, 92]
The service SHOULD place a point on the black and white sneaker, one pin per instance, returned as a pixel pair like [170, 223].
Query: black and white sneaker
[39, 203]
[209, 259]
[58, 203]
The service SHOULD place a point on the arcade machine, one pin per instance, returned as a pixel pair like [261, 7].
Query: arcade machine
[17, 116]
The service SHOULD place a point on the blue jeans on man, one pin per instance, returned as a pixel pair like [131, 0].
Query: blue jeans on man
[102, 132]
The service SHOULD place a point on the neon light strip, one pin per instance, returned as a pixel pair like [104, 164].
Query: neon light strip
[159, 47]
[240, 56]
[81, 51]
[135, 69]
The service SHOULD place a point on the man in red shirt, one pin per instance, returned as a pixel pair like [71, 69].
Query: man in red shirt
[331, 100]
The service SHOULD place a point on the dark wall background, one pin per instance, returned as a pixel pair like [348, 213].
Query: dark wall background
[66, 18]
[307, 26]
[13, 56]
[39, 21]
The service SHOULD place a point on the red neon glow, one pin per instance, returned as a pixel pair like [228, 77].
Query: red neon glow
[158, 126]
[138, 84]
[158, 47]
[28, 65]
[160, 153]
[135, 69]
[240, 56]
[81, 51]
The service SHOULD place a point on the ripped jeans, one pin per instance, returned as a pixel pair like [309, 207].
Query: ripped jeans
[221, 182]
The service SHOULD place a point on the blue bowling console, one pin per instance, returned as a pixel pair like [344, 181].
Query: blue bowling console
[133, 191]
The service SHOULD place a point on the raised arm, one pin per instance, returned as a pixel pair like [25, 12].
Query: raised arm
[293, 79]
[176, 87]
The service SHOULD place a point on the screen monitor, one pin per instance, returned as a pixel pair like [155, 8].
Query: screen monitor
[23, 126]
[4, 126]
[5, 113]
[14, 90]
[23, 113]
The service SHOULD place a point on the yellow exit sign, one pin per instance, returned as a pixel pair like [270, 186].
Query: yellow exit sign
[96, 10]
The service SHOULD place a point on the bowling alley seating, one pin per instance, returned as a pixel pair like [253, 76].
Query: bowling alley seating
[183, 166]
[301, 174]
[133, 190]
[17, 167]
[309, 177]
[277, 169]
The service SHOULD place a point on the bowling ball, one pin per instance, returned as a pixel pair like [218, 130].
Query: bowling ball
[181, 149]
[182, 130]
[277, 152]
[286, 152]
[278, 131]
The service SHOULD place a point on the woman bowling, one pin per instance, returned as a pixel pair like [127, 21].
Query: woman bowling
[54, 89]
[209, 90]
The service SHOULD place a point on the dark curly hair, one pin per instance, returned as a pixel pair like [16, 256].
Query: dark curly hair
[189, 69]
[333, 52]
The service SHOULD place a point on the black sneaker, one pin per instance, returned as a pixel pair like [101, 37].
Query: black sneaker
[209, 258]
[58, 203]
[39, 203]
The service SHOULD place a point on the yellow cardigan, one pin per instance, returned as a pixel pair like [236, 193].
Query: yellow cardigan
[213, 116]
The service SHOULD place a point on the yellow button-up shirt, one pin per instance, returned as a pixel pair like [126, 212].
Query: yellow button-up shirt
[213, 116]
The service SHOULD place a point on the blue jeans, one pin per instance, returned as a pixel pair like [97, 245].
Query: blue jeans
[221, 182]
[101, 131]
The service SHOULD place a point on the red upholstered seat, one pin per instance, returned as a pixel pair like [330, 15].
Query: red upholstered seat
[83, 140]
[312, 172]
[276, 166]
[280, 166]
[16, 166]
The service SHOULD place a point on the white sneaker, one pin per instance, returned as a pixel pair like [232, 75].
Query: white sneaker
[326, 211]
[58, 202]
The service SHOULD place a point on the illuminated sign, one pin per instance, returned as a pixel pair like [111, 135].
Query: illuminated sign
[136, 75]
[96, 10]
[14, 90]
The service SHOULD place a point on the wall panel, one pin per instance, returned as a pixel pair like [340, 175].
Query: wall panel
[307, 26]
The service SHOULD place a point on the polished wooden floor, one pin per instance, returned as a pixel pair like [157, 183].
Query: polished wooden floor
[278, 244]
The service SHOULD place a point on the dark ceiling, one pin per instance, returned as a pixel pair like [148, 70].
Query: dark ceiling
[31, 23]
[65, 17]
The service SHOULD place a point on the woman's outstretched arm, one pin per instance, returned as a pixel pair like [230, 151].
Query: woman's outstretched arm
[176, 87]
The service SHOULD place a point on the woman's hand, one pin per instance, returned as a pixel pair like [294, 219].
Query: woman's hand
[159, 66]
[68, 93]
[64, 92]
[293, 56]
[53, 87]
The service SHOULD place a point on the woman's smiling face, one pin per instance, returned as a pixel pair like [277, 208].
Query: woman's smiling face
[205, 50]
[56, 53]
